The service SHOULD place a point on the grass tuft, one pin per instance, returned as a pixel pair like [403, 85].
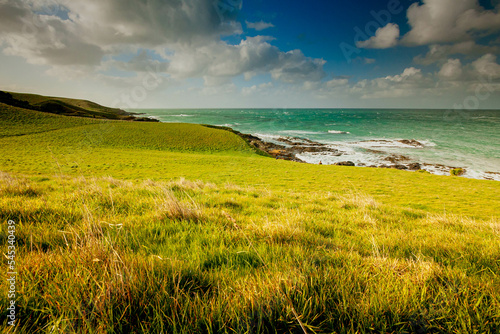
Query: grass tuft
[172, 208]
[12, 186]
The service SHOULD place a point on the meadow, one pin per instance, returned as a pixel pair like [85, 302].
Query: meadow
[130, 227]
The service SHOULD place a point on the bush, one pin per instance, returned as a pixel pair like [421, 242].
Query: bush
[457, 172]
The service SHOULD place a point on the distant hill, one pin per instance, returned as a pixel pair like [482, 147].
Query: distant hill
[67, 107]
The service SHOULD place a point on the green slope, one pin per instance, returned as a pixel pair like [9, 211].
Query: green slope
[67, 106]
[71, 106]
[17, 121]
[165, 151]
[111, 237]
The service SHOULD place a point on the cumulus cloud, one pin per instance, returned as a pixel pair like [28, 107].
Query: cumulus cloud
[149, 23]
[142, 62]
[261, 25]
[408, 74]
[453, 78]
[93, 28]
[451, 70]
[439, 53]
[44, 39]
[449, 27]
[295, 67]
[448, 21]
[185, 33]
[385, 37]
[252, 56]
[337, 82]
[487, 67]
[411, 82]
[262, 88]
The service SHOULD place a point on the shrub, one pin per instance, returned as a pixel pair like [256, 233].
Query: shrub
[457, 172]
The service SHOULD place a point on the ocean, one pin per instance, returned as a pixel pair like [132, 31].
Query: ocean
[465, 139]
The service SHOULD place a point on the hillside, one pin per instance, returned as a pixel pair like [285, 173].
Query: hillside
[180, 228]
[66, 106]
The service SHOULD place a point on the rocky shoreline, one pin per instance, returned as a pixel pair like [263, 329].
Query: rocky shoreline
[288, 148]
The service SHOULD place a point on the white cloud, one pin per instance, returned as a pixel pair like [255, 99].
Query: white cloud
[252, 56]
[294, 67]
[449, 27]
[385, 37]
[262, 88]
[150, 23]
[411, 82]
[487, 67]
[142, 62]
[410, 73]
[261, 25]
[185, 33]
[96, 28]
[451, 70]
[448, 21]
[439, 53]
[44, 39]
[226, 89]
[338, 82]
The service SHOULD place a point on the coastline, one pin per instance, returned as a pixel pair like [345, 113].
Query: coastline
[299, 149]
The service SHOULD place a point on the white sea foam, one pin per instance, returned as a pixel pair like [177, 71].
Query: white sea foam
[339, 132]
[392, 143]
[265, 137]
[300, 132]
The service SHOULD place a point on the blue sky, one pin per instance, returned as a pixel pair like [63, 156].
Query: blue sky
[238, 53]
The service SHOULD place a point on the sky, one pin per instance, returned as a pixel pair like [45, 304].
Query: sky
[255, 54]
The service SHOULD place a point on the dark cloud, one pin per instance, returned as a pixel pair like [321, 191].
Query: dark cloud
[187, 33]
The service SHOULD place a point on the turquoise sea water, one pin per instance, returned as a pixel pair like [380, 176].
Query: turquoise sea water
[469, 139]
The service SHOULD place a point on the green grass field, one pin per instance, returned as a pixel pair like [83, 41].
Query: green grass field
[129, 227]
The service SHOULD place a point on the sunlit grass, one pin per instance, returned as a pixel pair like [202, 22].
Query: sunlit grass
[176, 228]
[100, 254]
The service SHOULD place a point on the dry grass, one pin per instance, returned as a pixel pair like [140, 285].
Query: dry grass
[13, 186]
[358, 200]
[170, 207]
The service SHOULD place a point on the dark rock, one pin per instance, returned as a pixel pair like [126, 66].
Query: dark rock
[144, 119]
[295, 141]
[411, 142]
[401, 167]
[345, 163]
[414, 166]
[375, 151]
[396, 158]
